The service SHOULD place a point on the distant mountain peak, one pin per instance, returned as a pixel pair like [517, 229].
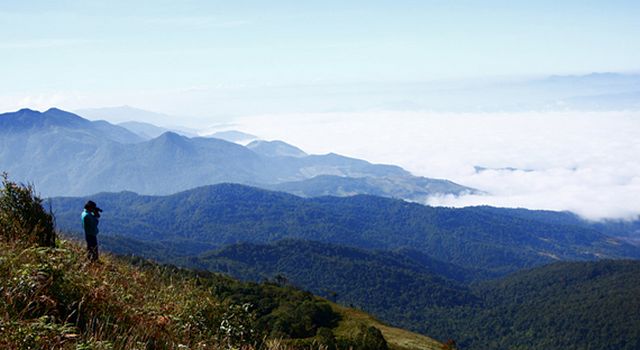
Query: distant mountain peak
[29, 118]
[56, 119]
[26, 110]
[171, 138]
[63, 115]
[54, 110]
[170, 135]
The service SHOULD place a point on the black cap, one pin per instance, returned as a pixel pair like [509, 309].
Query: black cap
[90, 205]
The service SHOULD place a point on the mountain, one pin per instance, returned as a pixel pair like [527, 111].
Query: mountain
[569, 305]
[558, 306]
[145, 130]
[226, 214]
[275, 149]
[233, 136]
[628, 230]
[56, 122]
[75, 156]
[388, 285]
[53, 148]
[416, 189]
[123, 114]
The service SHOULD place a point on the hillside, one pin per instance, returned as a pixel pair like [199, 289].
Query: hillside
[562, 305]
[626, 229]
[556, 306]
[76, 156]
[52, 297]
[388, 285]
[225, 214]
[570, 305]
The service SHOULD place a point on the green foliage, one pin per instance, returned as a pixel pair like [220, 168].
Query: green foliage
[588, 305]
[556, 306]
[367, 338]
[22, 217]
[40, 333]
[389, 285]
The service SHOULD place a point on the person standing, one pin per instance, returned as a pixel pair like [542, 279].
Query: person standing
[90, 221]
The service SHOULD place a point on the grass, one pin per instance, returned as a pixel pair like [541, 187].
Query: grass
[397, 339]
[53, 298]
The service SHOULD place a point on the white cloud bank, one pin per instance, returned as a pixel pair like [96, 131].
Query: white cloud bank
[585, 162]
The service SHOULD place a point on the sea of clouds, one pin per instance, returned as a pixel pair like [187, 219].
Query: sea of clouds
[584, 162]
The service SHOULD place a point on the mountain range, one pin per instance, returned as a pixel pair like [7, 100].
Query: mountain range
[64, 154]
[218, 215]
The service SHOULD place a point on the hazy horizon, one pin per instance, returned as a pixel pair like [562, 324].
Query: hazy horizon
[212, 61]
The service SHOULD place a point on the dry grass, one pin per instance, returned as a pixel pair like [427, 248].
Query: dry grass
[54, 296]
[396, 338]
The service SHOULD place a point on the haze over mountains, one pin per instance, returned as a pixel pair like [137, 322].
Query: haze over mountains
[78, 157]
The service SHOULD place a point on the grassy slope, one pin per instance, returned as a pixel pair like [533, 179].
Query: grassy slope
[398, 339]
[53, 297]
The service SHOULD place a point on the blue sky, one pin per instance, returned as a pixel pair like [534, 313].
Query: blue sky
[146, 53]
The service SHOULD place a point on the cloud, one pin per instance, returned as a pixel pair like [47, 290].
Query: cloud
[585, 162]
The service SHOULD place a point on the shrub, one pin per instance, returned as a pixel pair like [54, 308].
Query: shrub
[365, 337]
[22, 217]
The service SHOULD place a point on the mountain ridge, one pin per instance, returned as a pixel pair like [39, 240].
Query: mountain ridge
[230, 213]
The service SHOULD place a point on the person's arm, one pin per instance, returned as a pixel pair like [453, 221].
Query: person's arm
[96, 222]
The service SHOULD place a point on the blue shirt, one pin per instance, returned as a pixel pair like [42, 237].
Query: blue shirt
[89, 223]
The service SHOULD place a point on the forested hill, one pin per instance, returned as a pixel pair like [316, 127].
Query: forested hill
[389, 285]
[569, 305]
[226, 214]
[627, 229]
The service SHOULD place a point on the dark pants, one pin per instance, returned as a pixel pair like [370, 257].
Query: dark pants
[92, 247]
